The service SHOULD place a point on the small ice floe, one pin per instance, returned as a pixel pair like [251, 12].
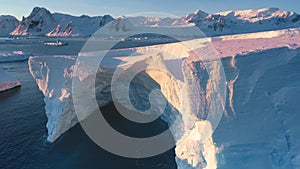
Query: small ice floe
[7, 82]
[14, 56]
[55, 43]
[5, 39]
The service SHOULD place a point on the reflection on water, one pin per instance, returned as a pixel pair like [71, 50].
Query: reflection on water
[6, 94]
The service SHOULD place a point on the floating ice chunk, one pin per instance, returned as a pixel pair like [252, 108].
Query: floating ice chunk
[7, 82]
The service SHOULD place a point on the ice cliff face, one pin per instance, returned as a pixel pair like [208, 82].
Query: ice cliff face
[54, 77]
[248, 61]
[54, 82]
[259, 101]
[262, 111]
[42, 22]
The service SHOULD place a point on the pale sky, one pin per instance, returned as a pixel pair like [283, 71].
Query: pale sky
[115, 8]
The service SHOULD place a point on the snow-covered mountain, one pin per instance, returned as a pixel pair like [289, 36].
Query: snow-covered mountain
[39, 22]
[223, 23]
[7, 24]
[43, 22]
[260, 19]
[84, 25]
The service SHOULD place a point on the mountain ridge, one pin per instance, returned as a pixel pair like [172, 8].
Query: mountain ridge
[44, 23]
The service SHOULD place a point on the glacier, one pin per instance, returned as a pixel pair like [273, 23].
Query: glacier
[248, 60]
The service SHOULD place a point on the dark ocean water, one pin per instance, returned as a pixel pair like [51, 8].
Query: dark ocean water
[23, 134]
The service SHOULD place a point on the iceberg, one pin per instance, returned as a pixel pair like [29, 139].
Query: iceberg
[55, 75]
[14, 56]
[7, 82]
[245, 60]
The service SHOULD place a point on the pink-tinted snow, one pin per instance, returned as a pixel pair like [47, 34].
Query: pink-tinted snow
[241, 46]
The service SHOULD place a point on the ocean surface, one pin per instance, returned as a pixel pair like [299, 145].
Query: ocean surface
[23, 132]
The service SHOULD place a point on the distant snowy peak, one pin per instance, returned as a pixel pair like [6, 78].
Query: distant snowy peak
[206, 21]
[257, 15]
[125, 24]
[243, 21]
[198, 15]
[78, 26]
[265, 16]
[38, 22]
[151, 21]
[121, 25]
[43, 22]
[7, 24]
[156, 22]
[105, 19]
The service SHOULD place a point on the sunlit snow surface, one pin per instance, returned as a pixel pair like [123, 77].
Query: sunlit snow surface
[259, 129]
